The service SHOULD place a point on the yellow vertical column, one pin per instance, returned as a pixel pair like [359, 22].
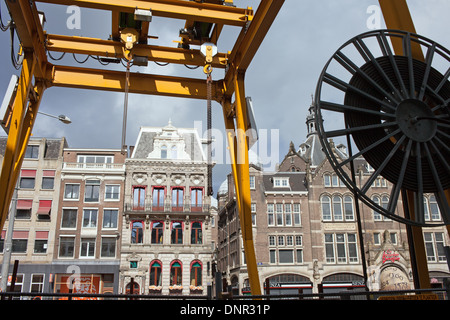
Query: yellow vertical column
[397, 16]
[243, 183]
[19, 132]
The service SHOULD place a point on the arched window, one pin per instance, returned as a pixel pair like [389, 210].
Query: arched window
[177, 232]
[155, 273]
[137, 231]
[175, 273]
[348, 208]
[164, 152]
[196, 273]
[326, 208]
[434, 209]
[337, 208]
[157, 232]
[196, 233]
[132, 289]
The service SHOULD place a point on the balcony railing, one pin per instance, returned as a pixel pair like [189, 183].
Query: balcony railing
[131, 207]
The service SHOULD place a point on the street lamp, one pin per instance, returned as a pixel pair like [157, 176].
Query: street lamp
[61, 117]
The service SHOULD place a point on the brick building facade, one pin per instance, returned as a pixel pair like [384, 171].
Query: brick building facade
[306, 233]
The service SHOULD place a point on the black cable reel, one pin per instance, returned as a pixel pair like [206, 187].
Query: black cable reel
[392, 110]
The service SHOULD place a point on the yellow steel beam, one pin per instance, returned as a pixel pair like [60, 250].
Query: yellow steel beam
[397, 16]
[250, 40]
[29, 30]
[107, 80]
[16, 142]
[176, 9]
[115, 49]
[243, 184]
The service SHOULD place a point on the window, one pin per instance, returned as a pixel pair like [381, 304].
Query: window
[112, 192]
[297, 219]
[23, 208]
[327, 180]
[175, 273]
[434, 246]
[66, 247]
[341, 248]
[108, 247]
[279, 182]
[69, 218]
[164, 152]
[285, 249]
[92, 191]
[196, 199]
[137, 231]
[32, 152]
[158, 199]
[44, 209]
[40, 242]
[348, 208]
[177, 232]
[155, 273]
[138, 198]
[279, 213]
[157, 232]
[177, 199]
[48, 179]
[90, 218]
[326, 208]
[196, 274]
[270, 214]
[434, 209]
[19, 241]
[382, 201]
[71, 191]
[288, 214]
[95, 159]
[87, 249]
[27, 179]
[252, 182]
[196, 233]
[110, 218]
[37, 283]
[337, 208]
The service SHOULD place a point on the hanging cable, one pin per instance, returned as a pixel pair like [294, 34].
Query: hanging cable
[3, 27]
[75, 58]
[16, 64]
[53, 58]
[125, 109]
[208, 70]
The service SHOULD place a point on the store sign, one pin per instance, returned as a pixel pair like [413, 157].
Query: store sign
[82, 284]
[390, 256]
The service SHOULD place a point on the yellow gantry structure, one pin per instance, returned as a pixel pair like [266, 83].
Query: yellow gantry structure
[38, 74]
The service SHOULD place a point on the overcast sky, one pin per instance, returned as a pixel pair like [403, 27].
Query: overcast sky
[280, 79]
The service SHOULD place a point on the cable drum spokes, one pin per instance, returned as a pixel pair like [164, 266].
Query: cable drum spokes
[393, 112]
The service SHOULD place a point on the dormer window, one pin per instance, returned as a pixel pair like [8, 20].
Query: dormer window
[281, 182]
[163, 152]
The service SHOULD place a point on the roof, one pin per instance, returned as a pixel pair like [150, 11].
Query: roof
[296, 182]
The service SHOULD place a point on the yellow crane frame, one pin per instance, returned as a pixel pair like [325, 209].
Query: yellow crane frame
[35, 43]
